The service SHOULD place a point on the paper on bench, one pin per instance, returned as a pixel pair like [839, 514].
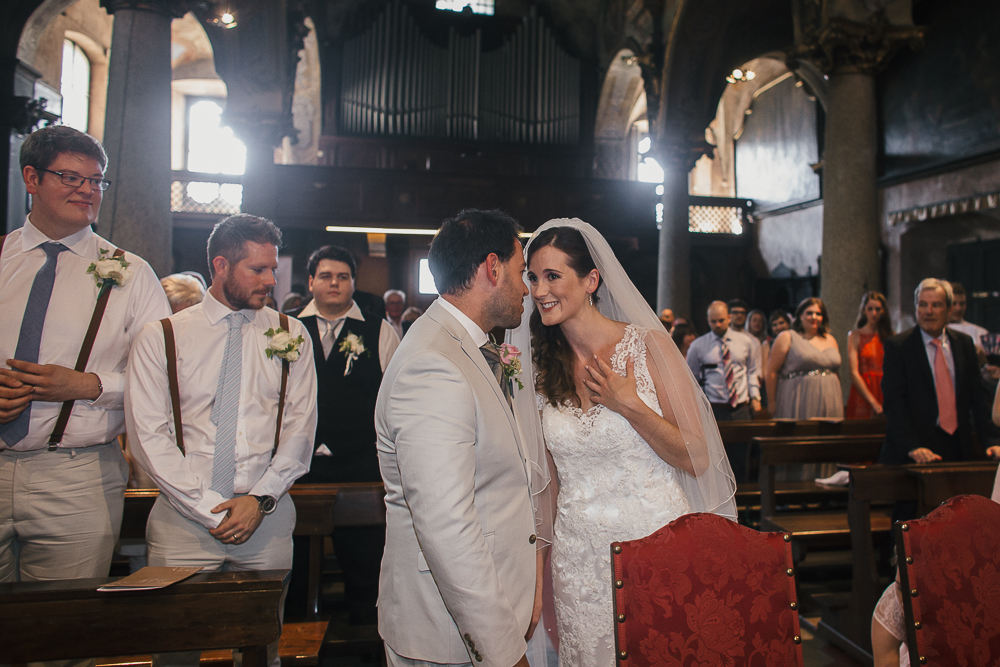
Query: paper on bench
[149, 578]
[839, 478]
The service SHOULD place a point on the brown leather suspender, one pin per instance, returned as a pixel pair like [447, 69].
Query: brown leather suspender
[283, 321]
[84, 356]
[175, 394]
[175, 391]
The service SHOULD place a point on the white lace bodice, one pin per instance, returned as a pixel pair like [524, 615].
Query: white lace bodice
[612, 486]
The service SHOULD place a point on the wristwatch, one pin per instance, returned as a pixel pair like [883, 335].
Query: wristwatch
[267, 504]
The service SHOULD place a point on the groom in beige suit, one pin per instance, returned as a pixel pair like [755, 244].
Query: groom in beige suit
[458, 577]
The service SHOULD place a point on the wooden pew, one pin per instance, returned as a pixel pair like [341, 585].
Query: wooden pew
[320, 508]
[745, 459]
[873, 489]
[811, 529]
[314, 510]
[67, 619]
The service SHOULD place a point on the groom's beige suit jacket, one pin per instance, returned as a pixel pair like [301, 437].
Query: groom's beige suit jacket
[458, 574]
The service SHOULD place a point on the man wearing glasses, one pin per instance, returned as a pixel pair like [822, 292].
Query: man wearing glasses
[62, 472]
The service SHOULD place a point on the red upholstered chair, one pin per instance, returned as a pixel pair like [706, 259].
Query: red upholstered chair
[704, 590]
[950, 573]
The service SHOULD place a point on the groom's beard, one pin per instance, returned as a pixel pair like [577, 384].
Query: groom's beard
[504, 309]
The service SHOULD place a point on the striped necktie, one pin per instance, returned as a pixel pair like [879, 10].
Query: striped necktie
[730, 374]
[227, 407]
[29, 339]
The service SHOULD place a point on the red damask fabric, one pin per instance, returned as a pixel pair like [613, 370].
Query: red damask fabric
[955, 571]
[704, 590]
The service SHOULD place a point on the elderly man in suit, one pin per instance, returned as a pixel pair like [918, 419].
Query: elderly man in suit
[932, 389]
[458, 577]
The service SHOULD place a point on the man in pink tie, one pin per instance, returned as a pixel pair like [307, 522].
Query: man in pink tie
[933, 392]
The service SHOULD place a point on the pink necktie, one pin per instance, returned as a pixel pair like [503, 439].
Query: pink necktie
[947, 414]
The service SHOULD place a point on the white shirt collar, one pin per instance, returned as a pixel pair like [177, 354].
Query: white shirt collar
[354, 313]
[479, 337]
[928, 338]
[80, 243]
[216, 311]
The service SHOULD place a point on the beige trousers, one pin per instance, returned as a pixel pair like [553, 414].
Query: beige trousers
[60, 512]
[176, 541]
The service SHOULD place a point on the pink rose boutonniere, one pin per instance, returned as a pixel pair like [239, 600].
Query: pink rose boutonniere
[510, 362]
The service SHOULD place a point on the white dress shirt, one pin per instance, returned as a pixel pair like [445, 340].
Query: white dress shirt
[704, 357]
[200, 332]
[388, 341]
[74, 295]
[479, 336]
[969, 329]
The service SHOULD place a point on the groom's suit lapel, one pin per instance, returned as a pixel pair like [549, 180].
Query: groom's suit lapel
[454, 327]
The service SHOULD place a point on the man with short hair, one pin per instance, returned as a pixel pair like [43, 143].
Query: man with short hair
[458, 578]
[725, 364]
[932, 389]
[351, 352]
[738, 310]
[224, 477]
[62, 471]
[395, 304]
[956, 317]
[667, 317]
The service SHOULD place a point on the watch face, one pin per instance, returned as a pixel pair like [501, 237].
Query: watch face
[267, 504]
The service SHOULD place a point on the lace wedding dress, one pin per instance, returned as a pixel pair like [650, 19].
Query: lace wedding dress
[612, 486]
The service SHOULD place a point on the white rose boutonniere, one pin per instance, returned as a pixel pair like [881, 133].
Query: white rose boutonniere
[353, 346]
[281, 344]
[110, 268]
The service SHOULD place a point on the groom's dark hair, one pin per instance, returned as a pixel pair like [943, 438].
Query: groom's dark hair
[464, 242]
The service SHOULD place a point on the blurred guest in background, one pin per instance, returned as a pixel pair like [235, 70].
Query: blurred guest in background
[683, 335]
[183, 291]
[410, 316]
[802, 380]
[667, 317]
[292, 303]
[864, 353]
[395, 303]
[956, 320]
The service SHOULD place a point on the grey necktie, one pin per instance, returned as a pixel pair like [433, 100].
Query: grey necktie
[30, 337]
[492, 356]
[227, 407]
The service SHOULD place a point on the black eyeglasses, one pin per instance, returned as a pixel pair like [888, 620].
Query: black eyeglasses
[76, 180]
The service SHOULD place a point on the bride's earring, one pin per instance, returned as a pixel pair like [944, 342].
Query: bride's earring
[591, 298]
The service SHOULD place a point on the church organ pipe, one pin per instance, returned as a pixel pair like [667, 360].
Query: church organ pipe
[396, 81]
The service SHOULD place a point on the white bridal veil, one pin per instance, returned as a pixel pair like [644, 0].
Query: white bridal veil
[713, 488]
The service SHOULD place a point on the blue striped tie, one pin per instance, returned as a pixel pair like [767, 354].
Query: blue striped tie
[30, 337]
[227, 407]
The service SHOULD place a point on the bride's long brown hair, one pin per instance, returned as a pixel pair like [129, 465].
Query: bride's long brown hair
[551, 353]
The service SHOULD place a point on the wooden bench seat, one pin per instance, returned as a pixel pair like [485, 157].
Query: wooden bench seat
[298, 647]
[791, 493]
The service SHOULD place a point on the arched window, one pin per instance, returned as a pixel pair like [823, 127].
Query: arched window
[213, 149]
[74, 86]
[477, 6]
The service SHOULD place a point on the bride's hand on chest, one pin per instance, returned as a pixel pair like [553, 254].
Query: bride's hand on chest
[609, 389]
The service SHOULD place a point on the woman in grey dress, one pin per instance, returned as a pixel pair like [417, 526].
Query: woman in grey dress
[802, 380]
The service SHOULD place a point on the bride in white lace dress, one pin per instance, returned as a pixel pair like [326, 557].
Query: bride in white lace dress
[628, 431]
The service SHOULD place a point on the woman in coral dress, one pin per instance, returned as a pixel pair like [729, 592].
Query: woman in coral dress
[864, 352]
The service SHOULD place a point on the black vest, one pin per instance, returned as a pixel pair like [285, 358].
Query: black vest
[346, 404]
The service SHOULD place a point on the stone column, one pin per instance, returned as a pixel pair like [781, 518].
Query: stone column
[673, 286]
[849, 43]
[257, 60]
[136, 210]
[673, 289]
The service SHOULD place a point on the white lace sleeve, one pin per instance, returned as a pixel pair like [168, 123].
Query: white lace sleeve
[889, 612]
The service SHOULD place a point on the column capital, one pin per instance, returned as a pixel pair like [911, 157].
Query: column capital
[681, 152]
[175, 9]
[842, 45]
[261, 129]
